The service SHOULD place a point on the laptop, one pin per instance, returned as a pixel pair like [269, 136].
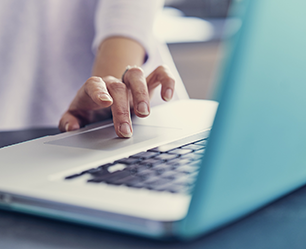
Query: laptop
[192, 166]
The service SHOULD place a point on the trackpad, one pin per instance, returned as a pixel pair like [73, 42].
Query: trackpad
[106, 138]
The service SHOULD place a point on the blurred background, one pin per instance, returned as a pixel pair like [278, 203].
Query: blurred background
[193, 30]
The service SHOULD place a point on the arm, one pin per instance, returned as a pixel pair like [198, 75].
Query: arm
[115, 54]
[106, 89]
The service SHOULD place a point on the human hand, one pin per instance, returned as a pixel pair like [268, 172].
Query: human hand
[100, 97]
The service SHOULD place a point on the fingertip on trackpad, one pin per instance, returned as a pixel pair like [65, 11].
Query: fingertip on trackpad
[105, 138]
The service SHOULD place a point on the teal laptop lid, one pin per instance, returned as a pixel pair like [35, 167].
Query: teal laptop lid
[257, 147]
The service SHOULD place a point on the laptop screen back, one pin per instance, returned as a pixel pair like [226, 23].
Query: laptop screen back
[256, 151]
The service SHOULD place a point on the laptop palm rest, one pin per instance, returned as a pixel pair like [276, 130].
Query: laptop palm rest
[105, 138]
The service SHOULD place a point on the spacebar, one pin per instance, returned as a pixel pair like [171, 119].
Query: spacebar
[183, 141]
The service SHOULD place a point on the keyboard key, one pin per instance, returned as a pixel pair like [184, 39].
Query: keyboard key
[166, 157]
[156, 149]
[100, 173]
[131, 181]
[199, 152]
[95, 180]
[91, 170]
[99, 170]
[147, 173]
[120, 181]
[156, 183]
[186, 169]
[118, 176]
[180, 161]
[145, 155]
[160, 168]
[196, 163]
[154, 179]
[116, 167]
[180, 151]
[172, 174]
[177, 188]
[140, 185]
[137, 168]
[192, 156]
[187, 180]
[109, 176]
[151, 161]
[105, 165]
[129, 160]
[193, 147]
[202, 142]
[72, 176]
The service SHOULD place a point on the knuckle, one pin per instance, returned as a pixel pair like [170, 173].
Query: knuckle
[171, 80]
[109, 78]
[135, 70]
[121, 113]
[92, 82]
[165, 75]
[161, 68]
[88, 84]
[92, 88]
[141, 93]
[94, 78]
[166, 79]
[117, 86]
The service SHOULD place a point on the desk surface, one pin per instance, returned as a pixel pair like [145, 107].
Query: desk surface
[281, 224]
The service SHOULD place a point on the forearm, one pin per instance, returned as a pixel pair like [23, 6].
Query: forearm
[115, 54]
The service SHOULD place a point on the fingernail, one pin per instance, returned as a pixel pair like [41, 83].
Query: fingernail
[168, 95]
[105, 97]
[143, 108]
[73, 127]
[125, 130]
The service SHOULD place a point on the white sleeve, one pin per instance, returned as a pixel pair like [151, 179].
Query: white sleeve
[135, 19]
[129, 18]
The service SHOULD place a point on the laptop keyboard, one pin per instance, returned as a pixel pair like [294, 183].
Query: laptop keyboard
[172, 167]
